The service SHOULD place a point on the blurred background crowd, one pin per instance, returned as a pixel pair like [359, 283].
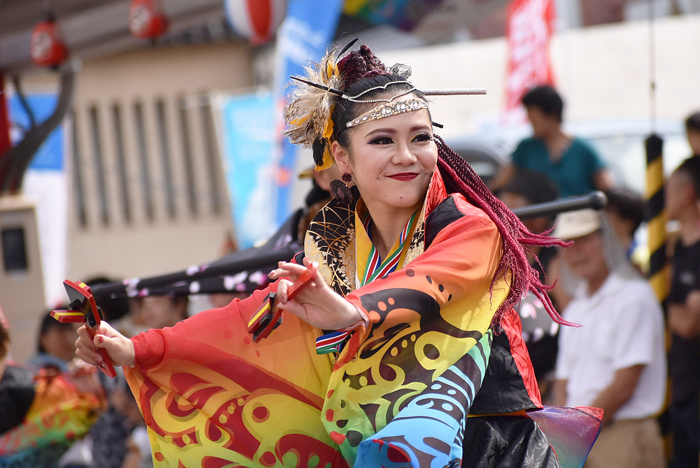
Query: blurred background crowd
[141, 152]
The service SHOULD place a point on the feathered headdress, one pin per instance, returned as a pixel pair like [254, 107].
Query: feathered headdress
[308, 115]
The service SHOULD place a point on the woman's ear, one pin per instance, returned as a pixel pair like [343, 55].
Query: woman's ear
[342, 158]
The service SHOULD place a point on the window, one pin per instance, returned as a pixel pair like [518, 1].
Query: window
[145, 173]
[187, 157]
[210, 158]
[78, 174]
[165, 159]
[14, 250]
[99, 166]
[121, 162]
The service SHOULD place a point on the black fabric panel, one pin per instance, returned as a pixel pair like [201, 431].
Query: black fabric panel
[16, 396]
[506, 441]
[442, 216]
[503, 390]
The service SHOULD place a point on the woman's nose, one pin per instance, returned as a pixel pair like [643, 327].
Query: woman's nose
[403, 155]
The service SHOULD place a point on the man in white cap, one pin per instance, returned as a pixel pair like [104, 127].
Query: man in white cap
[616, 359]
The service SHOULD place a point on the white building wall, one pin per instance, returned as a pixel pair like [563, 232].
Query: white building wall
[602, 71]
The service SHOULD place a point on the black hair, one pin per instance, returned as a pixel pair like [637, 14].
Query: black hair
[49, 323]
[627, 204]
[693, 122]
[691, 168]
[547, 99]
[535, 187]
[316, 194]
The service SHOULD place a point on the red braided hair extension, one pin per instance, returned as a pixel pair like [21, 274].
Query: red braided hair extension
[460, 177]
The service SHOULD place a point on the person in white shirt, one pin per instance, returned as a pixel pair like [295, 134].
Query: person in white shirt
[616, 359]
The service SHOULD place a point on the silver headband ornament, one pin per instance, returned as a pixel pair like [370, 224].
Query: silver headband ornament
[387, 110]
[390, 107]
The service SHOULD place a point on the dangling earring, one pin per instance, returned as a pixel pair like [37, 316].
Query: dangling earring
[341, 191]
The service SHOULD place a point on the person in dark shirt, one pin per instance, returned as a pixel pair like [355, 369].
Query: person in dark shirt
[681, 194]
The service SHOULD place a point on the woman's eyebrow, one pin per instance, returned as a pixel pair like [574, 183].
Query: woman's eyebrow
[381, 130]
[393, 130]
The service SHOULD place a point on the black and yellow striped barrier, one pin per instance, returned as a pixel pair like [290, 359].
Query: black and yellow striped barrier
[659, 273]
[656, 219]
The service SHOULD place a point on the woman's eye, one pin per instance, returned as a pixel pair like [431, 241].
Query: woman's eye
[385, 140]
[423, 137]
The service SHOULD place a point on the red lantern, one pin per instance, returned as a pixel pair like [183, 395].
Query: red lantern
[147, 19]
[256, 20]
[47, 48]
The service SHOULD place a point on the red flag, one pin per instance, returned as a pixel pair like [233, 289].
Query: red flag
[528, 31]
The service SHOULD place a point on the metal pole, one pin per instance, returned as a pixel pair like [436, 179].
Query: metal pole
[596, 200]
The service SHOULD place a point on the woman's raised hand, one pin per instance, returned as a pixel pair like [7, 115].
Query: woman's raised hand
[316, 304]
[119, 348]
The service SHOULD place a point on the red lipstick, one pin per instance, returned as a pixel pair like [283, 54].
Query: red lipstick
[404, 176]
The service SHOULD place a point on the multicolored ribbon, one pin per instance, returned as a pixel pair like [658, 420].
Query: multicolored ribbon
[331, 342]
[375, 267]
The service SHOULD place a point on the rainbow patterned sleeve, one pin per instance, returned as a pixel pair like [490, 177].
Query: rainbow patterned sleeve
[213, 398]
[401, 390]
[60, 414]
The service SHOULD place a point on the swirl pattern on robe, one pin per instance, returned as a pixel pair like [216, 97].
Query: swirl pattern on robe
[398, 395]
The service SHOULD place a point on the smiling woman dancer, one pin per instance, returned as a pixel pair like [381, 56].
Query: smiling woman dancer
[419, 267]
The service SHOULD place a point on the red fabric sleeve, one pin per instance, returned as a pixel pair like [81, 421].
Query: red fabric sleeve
[150, 347]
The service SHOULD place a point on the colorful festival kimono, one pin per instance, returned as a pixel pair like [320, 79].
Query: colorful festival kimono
[427, 382]
[41, 416]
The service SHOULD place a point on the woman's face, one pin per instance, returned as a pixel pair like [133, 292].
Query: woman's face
[391, 160]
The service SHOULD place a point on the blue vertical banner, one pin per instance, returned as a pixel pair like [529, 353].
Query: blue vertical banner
[248, 142]
[303, 37]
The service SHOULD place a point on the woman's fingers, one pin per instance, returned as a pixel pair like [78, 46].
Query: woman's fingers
[118, 348]
[294, 308]
[107, 330]
[282, 288]
[85, 349]
[290, 269]
[85, 341]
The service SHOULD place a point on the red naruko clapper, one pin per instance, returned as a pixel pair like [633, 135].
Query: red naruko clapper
[83, 309]
[269, 315]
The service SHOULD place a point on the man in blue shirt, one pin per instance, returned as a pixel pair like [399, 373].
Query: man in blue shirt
[570, 162]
